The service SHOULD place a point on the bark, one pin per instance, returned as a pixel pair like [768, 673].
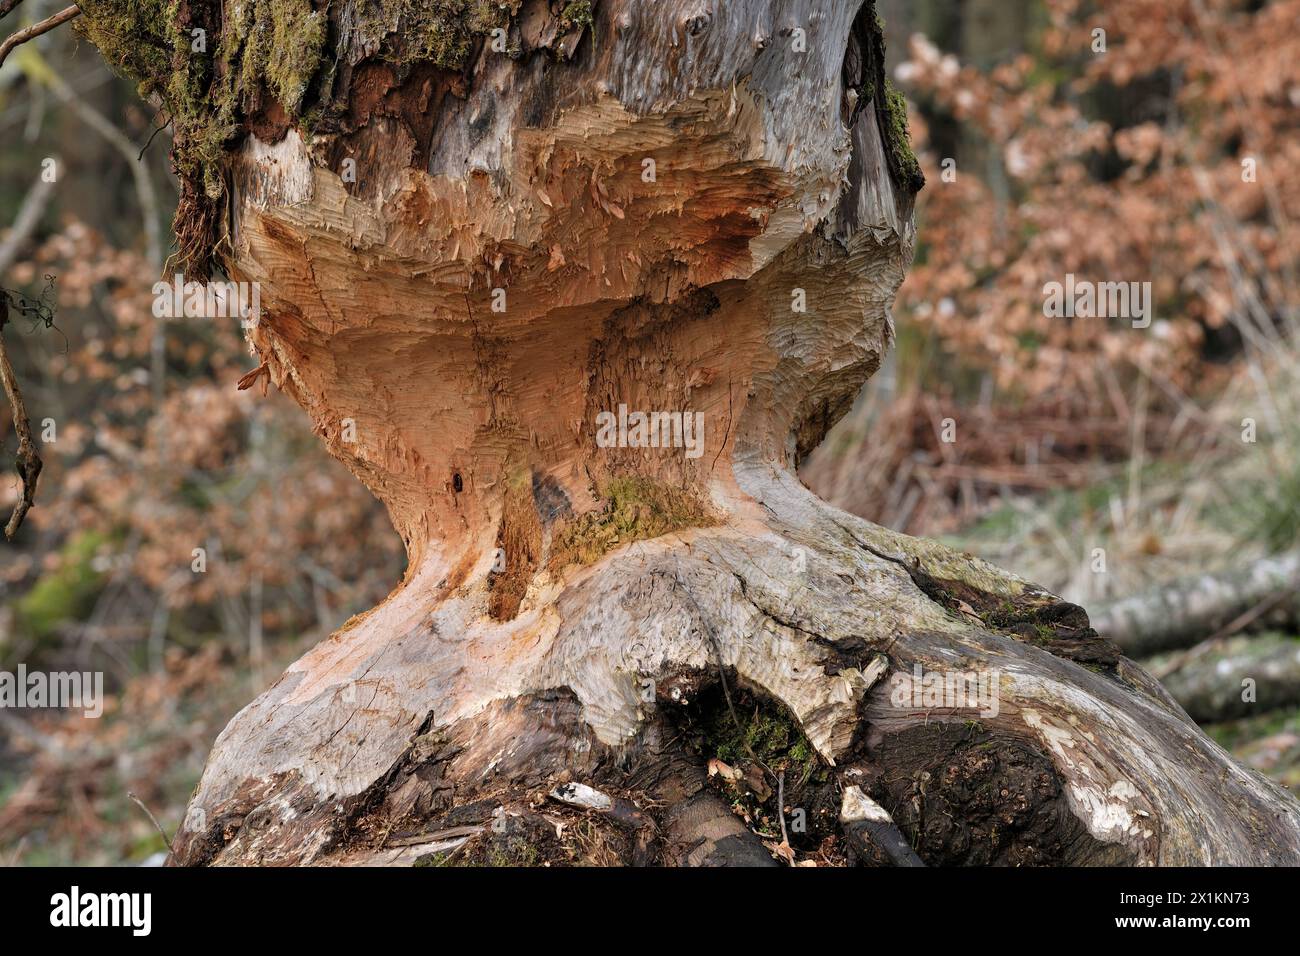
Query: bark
[681, 633]
[27, 461]
[1192, 609]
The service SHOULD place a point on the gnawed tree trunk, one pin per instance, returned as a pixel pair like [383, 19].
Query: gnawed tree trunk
[676, 631]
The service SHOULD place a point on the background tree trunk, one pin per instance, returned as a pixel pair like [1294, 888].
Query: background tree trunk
[1190, 610]
[466, 254]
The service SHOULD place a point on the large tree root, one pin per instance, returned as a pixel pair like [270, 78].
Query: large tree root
[1085, 761]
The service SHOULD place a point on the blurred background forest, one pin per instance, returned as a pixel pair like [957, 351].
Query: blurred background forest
[1073, 438]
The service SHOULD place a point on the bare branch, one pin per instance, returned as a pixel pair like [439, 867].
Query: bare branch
[144, 188]
[27, 460]
[152, 819]
[36, 29]
[7, 6]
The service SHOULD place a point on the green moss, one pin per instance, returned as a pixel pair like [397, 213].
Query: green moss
[438, 31]
[496, 851]
[635, 509]
[890, 107]
[251, 50]
[944, 563]
[770, 733]
[898, 139]
[577, 13]
[65, 592]
[282, 42]
[146, 41]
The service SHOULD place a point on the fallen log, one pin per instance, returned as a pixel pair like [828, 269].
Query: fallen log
[1192, 609]
[1238, 677]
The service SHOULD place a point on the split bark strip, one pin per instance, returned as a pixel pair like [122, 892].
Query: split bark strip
[27, 461]
[35, 30]
[1191, 609]
[452, 835]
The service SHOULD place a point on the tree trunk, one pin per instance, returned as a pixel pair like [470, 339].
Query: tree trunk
[678, 628]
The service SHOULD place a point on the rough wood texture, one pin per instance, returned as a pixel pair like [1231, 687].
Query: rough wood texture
[638, 581]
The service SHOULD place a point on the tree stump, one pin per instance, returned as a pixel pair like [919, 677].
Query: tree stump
[489, 240]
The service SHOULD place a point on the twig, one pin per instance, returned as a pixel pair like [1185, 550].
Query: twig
[27, 461]
[149, 141]
[780, 804]
[6, 7]
[36, 29]
[152, 819]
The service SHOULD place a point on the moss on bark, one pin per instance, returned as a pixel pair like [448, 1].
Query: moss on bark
[211, 65]
[635, 509]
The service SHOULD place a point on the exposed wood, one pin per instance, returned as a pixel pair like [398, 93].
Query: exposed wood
[872, 832]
